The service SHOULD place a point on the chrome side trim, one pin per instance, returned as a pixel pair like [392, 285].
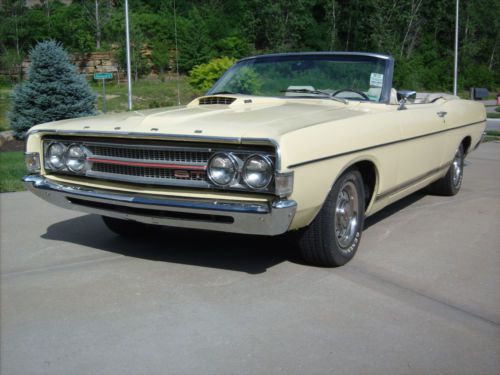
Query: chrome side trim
[264, 218]
[411, 182]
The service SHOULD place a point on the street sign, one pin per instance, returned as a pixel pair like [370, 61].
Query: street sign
[103, 75]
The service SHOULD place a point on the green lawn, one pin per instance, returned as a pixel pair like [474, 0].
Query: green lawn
[4, 107]
[11, 170]
[145, 94]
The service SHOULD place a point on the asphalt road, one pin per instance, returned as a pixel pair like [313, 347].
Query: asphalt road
[421, 296]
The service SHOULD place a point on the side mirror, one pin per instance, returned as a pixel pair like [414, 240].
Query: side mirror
[406, 96]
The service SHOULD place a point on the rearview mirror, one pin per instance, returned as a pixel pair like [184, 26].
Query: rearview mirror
[406, 96]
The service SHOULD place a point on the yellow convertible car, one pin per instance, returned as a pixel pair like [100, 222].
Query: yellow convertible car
[309, 143]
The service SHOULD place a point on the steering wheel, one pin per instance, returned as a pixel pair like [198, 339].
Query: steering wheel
[360, 93]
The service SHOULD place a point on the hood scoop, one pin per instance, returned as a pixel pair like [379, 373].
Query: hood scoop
[209, 100]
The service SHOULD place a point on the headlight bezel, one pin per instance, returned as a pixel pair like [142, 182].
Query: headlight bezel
[244, 171]
[82, 158]
[48, 157]
[235, 162]
[65, 159]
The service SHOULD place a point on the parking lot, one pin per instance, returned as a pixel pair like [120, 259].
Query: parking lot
[421, 296]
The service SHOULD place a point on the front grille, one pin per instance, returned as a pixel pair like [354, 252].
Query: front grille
[147, 172]
[149, 154]
[216, 100]
[152, 161]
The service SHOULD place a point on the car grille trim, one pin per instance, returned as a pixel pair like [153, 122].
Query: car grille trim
[145, 163]
[172, 155]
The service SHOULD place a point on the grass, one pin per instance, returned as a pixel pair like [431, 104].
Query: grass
[12, 168]
[492, 114]
[4, 107]
[492, 135]
[145, 94]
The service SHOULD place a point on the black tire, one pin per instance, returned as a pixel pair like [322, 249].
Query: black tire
[333, 237]
[129, 228]
[451, 183]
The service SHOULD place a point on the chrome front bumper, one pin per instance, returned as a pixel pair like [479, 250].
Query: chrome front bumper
[208, 214]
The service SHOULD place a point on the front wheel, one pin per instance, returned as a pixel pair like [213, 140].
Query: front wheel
[332, 239]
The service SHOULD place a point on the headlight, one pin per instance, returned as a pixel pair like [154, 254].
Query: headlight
[257, 171]
[55, 155]
[223, 169]
[75, 158]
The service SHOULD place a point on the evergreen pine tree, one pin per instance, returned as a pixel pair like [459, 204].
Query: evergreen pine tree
[54, 90]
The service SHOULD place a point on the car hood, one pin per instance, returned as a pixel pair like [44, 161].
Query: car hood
[245, 117]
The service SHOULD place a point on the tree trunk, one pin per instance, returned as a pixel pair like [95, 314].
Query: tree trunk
[414, 10]
[333, 31]
[492, 57]
[97, 26]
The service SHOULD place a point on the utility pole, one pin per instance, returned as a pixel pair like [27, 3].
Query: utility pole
[129, 75]
[455, 70]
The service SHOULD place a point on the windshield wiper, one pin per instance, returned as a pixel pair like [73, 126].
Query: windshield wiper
[317, 92]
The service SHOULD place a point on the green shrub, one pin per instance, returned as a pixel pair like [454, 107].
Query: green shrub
[203, 76]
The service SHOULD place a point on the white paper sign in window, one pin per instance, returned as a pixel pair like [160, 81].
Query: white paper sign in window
[376, 80]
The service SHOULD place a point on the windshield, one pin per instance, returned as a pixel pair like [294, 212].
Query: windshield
[352, 77]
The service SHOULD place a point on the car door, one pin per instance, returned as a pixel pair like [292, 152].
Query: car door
[422, 142]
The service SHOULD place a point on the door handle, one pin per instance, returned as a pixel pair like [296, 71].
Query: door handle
[441, 113]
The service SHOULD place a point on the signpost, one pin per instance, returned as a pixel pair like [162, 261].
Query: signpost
[103, 77]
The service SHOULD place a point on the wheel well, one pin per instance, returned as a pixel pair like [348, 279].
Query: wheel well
[369, 173]
[466, 144]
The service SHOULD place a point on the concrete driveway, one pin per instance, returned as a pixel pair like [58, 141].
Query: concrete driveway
[421, 296]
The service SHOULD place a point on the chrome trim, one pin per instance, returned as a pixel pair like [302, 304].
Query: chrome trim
[93, 168]
[266, 142]
[163, 136]
[264, 218]
[399, 188]
[133, 135]
[269, 163]
[152, 181]
[235, 161]
[366, 54]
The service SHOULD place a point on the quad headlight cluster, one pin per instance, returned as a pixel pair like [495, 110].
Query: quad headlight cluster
[65, 157]
[228, 170]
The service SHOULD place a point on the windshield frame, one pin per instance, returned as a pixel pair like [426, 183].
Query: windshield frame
[334, 56]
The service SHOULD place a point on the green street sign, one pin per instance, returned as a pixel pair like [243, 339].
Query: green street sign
[103, 75]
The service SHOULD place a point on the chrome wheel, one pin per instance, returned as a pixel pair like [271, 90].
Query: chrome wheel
[333, 237]
[346, 215]
[457, 169]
